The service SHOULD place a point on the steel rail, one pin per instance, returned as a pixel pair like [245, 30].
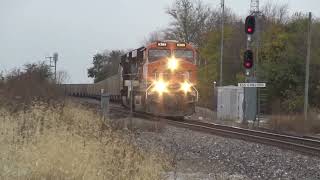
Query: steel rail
[278, 141]
[289, 138]
[294, 143]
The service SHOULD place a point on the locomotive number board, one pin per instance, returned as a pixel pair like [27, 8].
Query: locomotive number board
[162, 44]
[181, 45]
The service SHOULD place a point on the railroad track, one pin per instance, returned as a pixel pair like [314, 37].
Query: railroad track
[303, 145]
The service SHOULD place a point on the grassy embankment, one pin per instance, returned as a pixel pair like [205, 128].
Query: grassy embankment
[69, 142]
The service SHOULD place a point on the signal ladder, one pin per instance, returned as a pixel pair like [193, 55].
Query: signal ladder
[262, 108]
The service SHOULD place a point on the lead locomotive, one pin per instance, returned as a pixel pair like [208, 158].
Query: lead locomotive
[161, 78]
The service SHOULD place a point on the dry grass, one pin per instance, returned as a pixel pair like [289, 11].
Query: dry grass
[296, 123]
[68, 142]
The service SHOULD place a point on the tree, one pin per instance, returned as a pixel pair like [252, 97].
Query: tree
[188, 20]
[105, 65]
[41, 71]
[95, 71]
[282, 64]
[210, 55]
[275, 14]
[192, 20]
[62, 77]
[154, 36]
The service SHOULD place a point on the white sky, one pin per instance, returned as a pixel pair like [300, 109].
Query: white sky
[77, 29]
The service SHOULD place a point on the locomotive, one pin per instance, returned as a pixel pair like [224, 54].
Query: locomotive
[159, 79]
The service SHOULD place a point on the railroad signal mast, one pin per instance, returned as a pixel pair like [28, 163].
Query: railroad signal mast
[250, 94]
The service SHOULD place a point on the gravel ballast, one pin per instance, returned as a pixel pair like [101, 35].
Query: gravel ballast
[206, 156]
[217, 157]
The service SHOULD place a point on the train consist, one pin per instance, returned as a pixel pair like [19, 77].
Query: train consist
[159, 79]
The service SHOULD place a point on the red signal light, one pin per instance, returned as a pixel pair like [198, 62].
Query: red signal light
[248, 65]
[248, 59]
[250, 24]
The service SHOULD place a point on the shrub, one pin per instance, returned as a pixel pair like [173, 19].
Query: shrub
[296, 123]
[34, 81]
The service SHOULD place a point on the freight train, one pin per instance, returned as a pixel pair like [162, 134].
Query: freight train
[159, 79]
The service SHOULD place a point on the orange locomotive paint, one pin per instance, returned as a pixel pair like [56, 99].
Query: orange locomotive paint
[186, 64]
[170, 72]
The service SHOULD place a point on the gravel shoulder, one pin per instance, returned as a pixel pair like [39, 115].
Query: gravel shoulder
[197, 155]
[205, 156]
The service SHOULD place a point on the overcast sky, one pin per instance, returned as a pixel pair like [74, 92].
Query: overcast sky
[30, 30]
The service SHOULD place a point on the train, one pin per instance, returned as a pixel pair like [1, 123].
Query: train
[158, 79]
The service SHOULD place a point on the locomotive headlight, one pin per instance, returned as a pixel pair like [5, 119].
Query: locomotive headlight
[160, 86]
[186, 87]
[172, 63]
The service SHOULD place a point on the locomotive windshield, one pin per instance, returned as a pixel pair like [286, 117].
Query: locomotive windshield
[185, 54]
[155, 54]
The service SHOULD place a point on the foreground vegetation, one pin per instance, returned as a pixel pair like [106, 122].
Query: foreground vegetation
[69, 142]
[295, 123]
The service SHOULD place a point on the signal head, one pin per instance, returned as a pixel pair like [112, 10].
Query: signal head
[250, 24]
[248, 59]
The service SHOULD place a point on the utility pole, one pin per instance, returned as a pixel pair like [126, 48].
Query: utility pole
[55, 59]
[222, 40]
[306, 86]
[53, 63]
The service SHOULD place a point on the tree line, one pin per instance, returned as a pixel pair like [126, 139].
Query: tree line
[281, 58]
[281, 50]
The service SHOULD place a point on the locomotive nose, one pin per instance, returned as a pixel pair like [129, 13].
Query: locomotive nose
[174, 86]
[172, 63]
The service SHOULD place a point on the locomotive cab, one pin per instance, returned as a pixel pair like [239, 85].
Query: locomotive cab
[172, 79]
[162, 79]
